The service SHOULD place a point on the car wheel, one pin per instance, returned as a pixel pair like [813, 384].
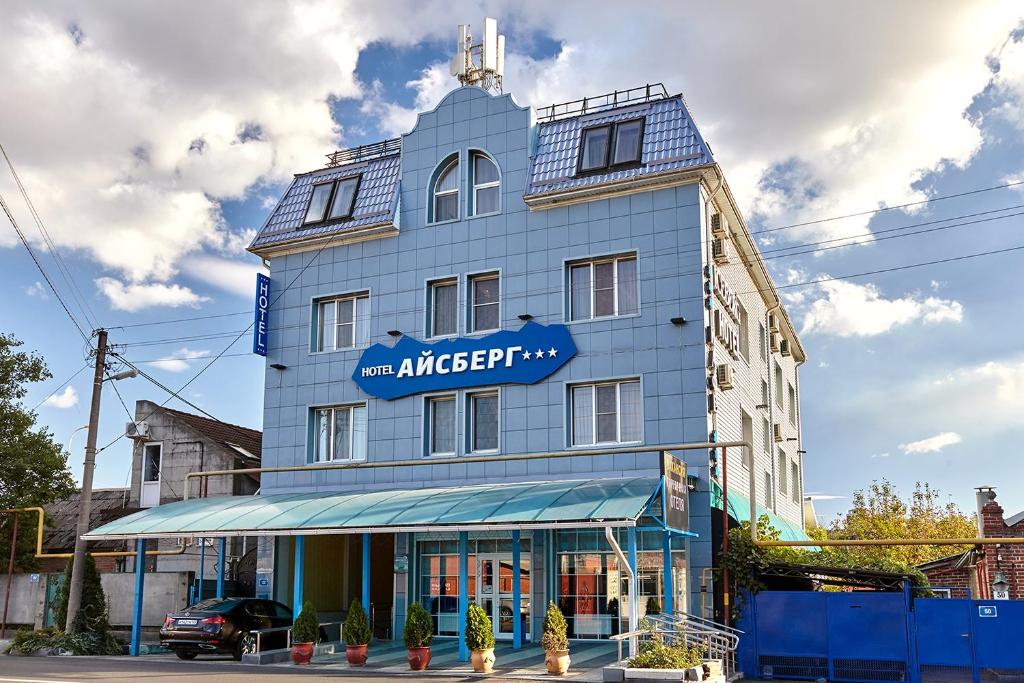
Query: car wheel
[185, 654]
[246, 645]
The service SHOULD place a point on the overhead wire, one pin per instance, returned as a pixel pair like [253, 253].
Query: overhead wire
[62, 267]
[857, 239]
[42, 271]
[63, 384]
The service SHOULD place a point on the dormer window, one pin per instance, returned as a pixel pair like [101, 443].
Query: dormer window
[339, 195]
[611, 145]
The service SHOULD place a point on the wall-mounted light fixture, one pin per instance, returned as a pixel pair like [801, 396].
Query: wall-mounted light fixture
[395, 333]
[679, 320]
[278, 366]
[525, 317]
[763, 406]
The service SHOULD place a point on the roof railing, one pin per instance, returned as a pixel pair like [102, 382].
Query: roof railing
[363, 152]
[588, 105]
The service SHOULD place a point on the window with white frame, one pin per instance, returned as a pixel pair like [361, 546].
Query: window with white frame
[151, 454]
[446, 194]
[783, 464]
[748, 436]
[795, 476]
[762, 341]
[792, 404]
[766, 433]
[764, 392]
[441, 426]
[340, 433]
[482, 411]
[343, 322]
[484, 313]
[778, 385]
[486, 186]
[606, 412]
[603, 287]
[768, 490]
[443, 308]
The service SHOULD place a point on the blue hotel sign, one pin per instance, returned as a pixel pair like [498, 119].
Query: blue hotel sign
[523, 356]
[259, 329]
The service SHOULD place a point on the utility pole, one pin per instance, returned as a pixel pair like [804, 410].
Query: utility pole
[85, 501]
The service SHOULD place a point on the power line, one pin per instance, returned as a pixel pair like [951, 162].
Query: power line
[843, 241]
[28, 247]
[890, 208]
[62, 268]
[64, 384]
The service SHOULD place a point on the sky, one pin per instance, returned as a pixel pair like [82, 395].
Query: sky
[153, 139]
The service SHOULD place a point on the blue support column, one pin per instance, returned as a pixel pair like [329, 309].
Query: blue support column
[463, 593]
[222, 553]
[366, 573]
[298, 575]
[634, 585]
[140, 579]
[202, 569]
[668, 584]
[517, 609]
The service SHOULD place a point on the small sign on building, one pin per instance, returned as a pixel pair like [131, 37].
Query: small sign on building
[401, 564]
[675, 493]
[259, 330]
[987, 611]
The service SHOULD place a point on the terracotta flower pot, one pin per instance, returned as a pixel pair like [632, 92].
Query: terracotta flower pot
[356, 654]
[302, 653]
[419, 658]
[482, 660]
[557, 661]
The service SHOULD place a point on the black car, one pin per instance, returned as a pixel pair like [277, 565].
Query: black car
[225, 626]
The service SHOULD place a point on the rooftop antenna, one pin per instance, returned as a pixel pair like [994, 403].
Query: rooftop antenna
[482, 64]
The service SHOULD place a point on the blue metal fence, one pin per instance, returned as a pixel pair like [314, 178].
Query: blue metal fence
[869, 637]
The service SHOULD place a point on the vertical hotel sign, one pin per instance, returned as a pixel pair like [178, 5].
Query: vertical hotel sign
[259, 329]
[675, 493]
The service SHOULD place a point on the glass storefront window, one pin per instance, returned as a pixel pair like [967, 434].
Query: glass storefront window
[490, 582]
[593, 592]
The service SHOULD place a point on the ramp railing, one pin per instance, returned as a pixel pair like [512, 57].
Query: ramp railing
[720, 641]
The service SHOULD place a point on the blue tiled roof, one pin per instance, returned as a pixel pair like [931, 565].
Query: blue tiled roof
[671, 142]
[376, 202]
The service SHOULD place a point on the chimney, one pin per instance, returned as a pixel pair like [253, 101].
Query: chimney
[982, 495]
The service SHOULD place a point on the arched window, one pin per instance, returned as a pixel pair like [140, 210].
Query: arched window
[486, 186]
[446, 193]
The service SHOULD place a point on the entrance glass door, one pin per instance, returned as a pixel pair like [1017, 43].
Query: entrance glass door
[495, 596]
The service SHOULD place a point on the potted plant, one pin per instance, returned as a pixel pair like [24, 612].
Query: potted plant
[554, 641]
[304, 634]
[357, 634]
[480, 639]
[418, 632]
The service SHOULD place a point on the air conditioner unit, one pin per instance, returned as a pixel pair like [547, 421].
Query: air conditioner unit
[723, 376]
[719, 225]
[777, 432]
[784, 347]
[720, 251]
[137, 430]
[773, 322]
[773, 342]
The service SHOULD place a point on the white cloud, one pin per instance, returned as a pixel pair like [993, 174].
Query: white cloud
[839, 127]
[879, 455]
[179, 361]
[236, 277]
[136, 297]
[848, 309]
[37, 289]
[65, 399]
[932, 444]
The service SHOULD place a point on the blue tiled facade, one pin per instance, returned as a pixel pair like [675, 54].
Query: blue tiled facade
[664, 226]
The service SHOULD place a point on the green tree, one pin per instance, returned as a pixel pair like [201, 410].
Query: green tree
[33, 468]
[92, 615]
[879, 512]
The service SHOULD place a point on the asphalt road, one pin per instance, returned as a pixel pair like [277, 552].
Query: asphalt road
[167, 669]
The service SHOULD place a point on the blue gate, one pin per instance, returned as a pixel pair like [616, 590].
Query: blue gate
[870, 637]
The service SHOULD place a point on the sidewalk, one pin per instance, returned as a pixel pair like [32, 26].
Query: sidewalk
[389, 658]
